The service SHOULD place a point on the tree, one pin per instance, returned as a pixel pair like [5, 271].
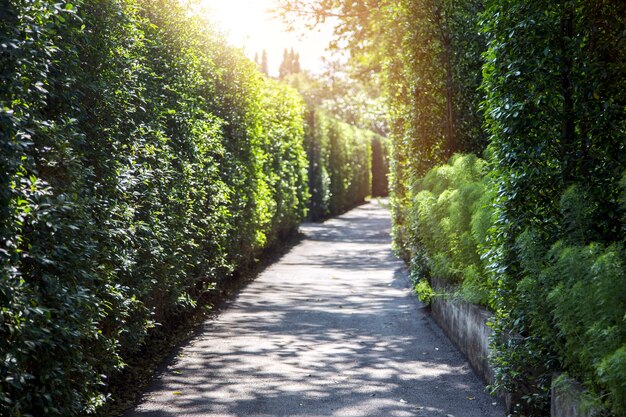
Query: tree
[285, 66]
[264, 67]
[290, 64]
[355, 20]
[428, 55]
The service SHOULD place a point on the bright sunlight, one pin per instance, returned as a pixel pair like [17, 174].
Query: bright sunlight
[249, 24]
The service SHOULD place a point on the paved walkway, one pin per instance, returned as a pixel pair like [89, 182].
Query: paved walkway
[331, 329]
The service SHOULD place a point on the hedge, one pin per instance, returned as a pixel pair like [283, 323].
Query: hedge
[145, 161]
[574, 288]
[340, 164]
[555, 109]
[536, 88]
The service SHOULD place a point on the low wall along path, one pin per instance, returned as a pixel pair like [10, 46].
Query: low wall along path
[331, 329]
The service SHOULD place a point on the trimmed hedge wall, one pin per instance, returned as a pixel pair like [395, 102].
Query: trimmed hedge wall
[537, 88]
[340, 164]
[143, 160]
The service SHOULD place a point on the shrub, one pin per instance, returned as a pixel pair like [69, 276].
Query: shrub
[588, 306]
[144, 160]
[447, 226]
[572, 294]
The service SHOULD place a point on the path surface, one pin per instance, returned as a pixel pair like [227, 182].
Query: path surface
[332, 329]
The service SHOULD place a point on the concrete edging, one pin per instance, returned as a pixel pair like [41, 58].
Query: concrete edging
[567, 398]
[465, 324]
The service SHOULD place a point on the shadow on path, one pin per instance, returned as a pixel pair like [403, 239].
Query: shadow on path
[332, 329]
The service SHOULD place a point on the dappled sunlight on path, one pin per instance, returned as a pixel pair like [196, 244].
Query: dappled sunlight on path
[330, 330]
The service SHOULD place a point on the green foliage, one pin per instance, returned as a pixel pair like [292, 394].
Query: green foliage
[424, 291]
[572, 293]
[380, 166]
[340, 170]
[588, 305]
[447, 227]
[144, 160]
[432, 68]
[355, 102]
[574, 299]
[555, 114]
[343, 141]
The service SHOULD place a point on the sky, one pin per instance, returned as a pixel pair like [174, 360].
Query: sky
[249, 25]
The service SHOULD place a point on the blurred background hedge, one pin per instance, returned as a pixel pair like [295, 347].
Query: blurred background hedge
[340, 164]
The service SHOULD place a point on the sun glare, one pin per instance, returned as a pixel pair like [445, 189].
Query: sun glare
[250, 25]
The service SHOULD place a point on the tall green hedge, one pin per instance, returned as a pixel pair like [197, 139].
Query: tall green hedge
[553, 113]
[340, 164]
[432, 75]
[380, 166]
[142, 160]
[556, 114]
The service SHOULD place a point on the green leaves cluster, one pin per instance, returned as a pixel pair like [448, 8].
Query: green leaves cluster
[449, 226]
[549, 208]
[555, 109]
[570, 295]
[143, 161]
[340, 164]
[431, 74]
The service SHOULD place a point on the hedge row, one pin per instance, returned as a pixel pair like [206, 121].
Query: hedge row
[555, 109]
[539, 234]
[576, 286]
[143, 160]
[340, 164]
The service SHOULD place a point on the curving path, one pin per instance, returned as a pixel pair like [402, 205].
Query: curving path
[332, 329]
